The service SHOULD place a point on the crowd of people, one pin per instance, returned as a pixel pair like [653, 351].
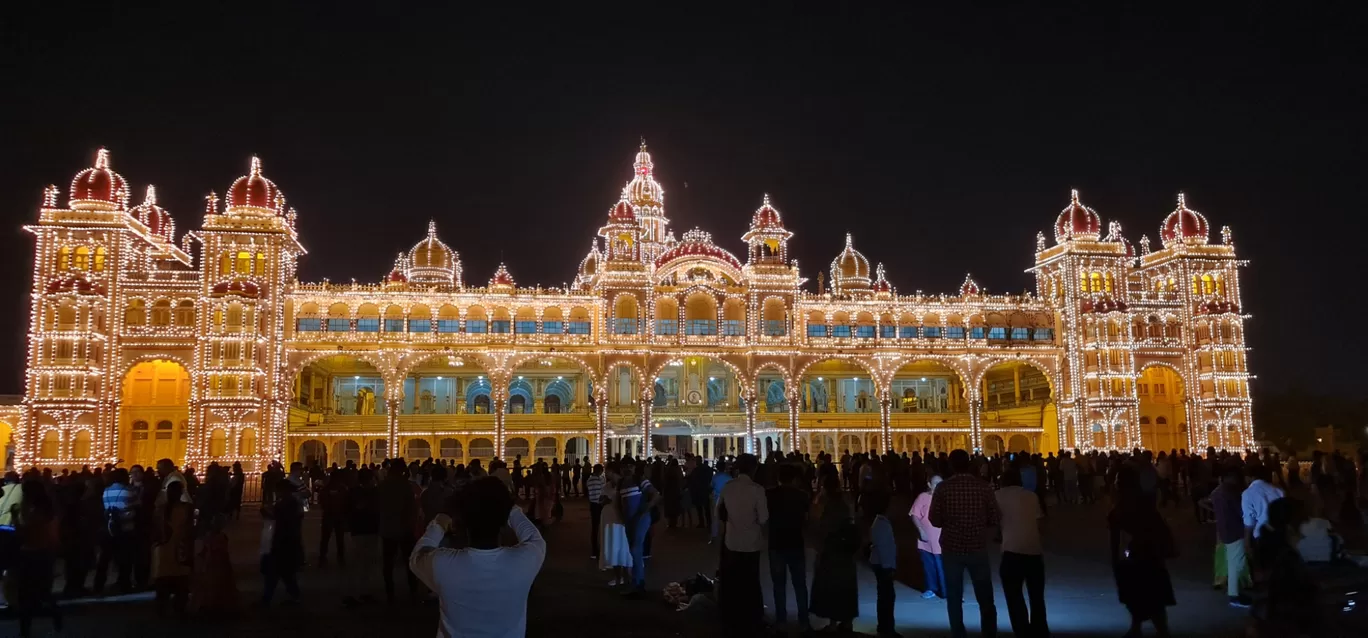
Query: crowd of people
[163, 529]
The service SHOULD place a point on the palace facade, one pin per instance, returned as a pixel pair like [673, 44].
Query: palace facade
[203, 346]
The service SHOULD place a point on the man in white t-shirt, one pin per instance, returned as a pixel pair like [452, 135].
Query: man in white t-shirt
[1022, 560]
[482, 588]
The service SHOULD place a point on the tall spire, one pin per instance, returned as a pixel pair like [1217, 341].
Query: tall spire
[256, 166]
[432, 229]
[151, 198]
[102, 158]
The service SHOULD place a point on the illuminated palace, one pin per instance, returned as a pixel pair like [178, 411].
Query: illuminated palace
[202, 346]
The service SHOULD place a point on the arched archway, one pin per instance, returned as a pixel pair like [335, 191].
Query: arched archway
[518, 446]
[155, 392]
[347, 451]
[993, 444]
[1019, 394]
[313, 452]
[838, 385]
[1020, 443]
[1163, 395]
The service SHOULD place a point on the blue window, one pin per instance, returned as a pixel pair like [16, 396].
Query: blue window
[477, 326]
[840, 330]
[864, 332]
[525, 327]
[394, 325]
[976, 332]
[907, 332]
[817, 330]
[931, 332]
[700, 327]
[339, 325]
[500, 326]
[1021, 334]
[447, 326]
[577, 327]
[1044, 334]
[667, 326]
[625, 326]
[553, 327]
[888, 332]
[420, 325]
[999, 333]
[733, 328]
[776, 328]
[368, 324]
[954, 332]
[310, 325]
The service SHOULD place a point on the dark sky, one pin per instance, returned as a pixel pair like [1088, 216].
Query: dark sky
[943, 141]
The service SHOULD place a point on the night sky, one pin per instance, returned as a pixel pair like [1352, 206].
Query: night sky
[943, 141]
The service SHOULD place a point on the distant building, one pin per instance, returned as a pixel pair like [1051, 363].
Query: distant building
[204, 347]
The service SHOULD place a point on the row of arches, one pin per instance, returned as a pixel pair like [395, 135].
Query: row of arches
[1209, 283]
[81, 258]
[420, 318]
[242, 262]
[161, 313]
[456, 449]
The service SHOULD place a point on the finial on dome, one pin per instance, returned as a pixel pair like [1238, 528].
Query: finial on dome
[1073, 195]
[256, 167]
[151, 198]
[1040, 241]
[1225, 235]
[766, 201]
[1182, 200]
[102, 158]
[849, 241]
[211, 203]
[643, 142]
[50, 196]
[1144, 245]
[432, 229]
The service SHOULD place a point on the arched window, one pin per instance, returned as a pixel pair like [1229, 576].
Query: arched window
[185, 313]
[1160, 421]
[80, 448]
[244, 263]
[82, 261]
[418, 450]
[161, 313]
[64, 258]
[1095, 282]
[247, 443]
[218, 443]
[234, 322]
[226, 263]
[625, 320]
[700, 314]
[449, 449]
[1208, 285]
[50, 444]
[260, 269]
[776, 317]
[482, 404]
[552, 404]
[99, 260]
[1144, 420]
[66, 316]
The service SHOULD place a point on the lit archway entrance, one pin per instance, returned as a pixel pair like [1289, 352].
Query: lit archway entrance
[154, 413]
[1163, 410]
[7, 444]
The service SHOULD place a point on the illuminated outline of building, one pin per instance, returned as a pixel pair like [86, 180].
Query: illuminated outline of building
[139, 350]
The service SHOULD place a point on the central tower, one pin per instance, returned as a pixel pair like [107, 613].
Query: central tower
[648, 198]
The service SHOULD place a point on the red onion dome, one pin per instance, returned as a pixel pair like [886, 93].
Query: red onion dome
[881, 285]
[1106, 304]
[254, 193]
[238, 287]
[1218, 308]
[697, 243]
[1077, 222]
[79, 285]
[1184, 225]
[98, 187]
[766, 217]
[622, 213]
[969, 288]
[501, 278]
[398, 274]
[155, 217]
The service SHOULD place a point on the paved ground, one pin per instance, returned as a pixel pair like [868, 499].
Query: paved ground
[570, 597]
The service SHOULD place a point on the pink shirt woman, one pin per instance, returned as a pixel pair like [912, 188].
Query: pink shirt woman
[921, 508]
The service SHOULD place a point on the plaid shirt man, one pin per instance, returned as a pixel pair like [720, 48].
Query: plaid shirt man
[963, 507]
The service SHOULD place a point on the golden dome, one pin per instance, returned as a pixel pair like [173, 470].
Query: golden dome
[850, 269]
[431, 261]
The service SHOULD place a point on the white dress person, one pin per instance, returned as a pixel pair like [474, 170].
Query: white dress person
[616, 551]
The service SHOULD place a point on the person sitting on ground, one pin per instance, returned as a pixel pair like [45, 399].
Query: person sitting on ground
[482, 588]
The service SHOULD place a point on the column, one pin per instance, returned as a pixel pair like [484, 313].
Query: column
[498, 397]
[601, 426]
[1016, 383]
[832, 387]
[392, 427]
[885, 422]
[752, 445]
[794, 397]
[417, 393]
[975, 424]
[647, 401]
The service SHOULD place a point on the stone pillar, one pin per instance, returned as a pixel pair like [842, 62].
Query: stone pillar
[975, 424]
[498, 398]
[1016, 383]
[885, 422]
[794, 399]
[831, 386]
[647, 405]
[601, 425]
[752, 444]
[392, 426]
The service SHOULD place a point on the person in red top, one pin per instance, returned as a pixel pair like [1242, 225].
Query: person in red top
[964, 508]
